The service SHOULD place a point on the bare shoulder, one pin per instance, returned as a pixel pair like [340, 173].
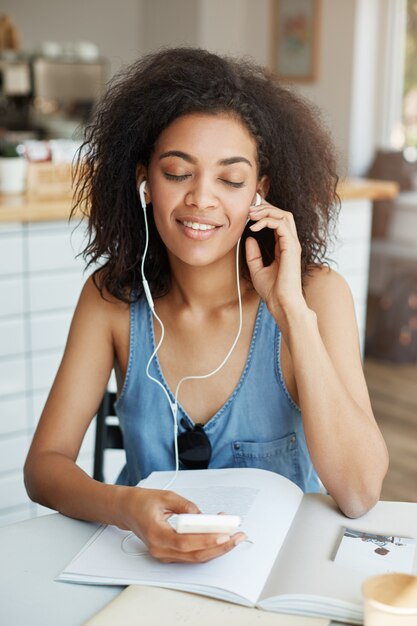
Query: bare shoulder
[329, 296]
[324, 286]
[100, 305]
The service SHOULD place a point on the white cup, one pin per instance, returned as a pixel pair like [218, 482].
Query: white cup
[13, 172]
[390, 600]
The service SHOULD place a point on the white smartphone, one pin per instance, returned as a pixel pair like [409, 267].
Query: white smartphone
[188, 523]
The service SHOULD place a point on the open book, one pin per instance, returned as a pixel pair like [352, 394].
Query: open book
[287, 566]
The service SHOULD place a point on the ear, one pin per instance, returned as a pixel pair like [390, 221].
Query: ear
[141, 175]
[263, 186]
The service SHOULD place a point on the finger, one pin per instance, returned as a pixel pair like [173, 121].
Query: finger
[278, 224]
[197, 542]
[282, 228]
[268, 209]
[253, 256]
[164, 537]
[202, 555]
[276, 213]
[177, 504]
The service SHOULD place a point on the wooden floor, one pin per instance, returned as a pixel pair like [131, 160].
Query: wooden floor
[393, 391]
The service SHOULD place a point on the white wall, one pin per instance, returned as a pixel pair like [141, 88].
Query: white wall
[332, 92]
[169, 23]
[351, 86]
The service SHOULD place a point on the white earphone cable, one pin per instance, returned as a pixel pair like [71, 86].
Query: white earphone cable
[174, 406]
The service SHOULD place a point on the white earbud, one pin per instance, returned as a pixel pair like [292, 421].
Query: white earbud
[258, 201]
[145, 284]
[142, 194]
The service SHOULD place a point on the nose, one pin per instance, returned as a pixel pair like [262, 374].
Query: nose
[201, 194]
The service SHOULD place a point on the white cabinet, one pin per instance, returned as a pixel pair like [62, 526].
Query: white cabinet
[40, 282]
[350, 256]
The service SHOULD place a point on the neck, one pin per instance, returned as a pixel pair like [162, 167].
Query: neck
[207, 287]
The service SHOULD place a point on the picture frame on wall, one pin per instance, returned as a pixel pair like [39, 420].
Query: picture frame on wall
[295, 39]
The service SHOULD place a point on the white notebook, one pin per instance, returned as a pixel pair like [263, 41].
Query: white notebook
[139, 605]
[287, 567]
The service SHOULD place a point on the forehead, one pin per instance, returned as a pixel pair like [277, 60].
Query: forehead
[202, 134]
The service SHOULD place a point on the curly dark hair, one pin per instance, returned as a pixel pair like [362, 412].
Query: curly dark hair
[294, 151]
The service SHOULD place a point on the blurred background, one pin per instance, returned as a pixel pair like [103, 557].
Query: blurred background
[355, 59]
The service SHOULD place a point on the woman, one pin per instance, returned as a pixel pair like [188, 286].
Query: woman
[200, 149]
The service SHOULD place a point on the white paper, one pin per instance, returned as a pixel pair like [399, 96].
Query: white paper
[241, 572]
[375, 554]
[137, 606]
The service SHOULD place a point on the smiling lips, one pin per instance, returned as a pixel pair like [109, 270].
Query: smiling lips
[200, 230]
[198, 225]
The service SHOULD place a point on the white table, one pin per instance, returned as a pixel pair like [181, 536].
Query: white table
[32, 554]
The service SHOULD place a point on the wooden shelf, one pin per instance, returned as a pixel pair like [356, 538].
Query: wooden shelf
[367, 189]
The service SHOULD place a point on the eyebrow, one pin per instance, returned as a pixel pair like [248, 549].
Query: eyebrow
[190, 159]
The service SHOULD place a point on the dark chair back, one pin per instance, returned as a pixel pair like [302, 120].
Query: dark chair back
[108, 435]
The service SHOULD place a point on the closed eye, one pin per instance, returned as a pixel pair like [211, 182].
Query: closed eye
[232, 183]
[182, 177]
[174, 177]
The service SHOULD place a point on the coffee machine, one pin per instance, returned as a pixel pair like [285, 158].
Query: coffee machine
[65, 91]
[49, 96]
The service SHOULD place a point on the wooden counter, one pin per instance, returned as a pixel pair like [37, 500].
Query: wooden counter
[20, 208]
[367, 189]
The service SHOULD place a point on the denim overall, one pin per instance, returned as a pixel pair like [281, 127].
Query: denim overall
[258, 426]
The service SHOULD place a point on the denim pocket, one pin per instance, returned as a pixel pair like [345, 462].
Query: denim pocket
[280, 456]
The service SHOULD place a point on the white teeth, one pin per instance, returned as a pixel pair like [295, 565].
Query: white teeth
[197, 226]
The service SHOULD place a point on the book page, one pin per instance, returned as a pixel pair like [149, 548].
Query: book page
[267, 503]
[137, 606]
[306, 565]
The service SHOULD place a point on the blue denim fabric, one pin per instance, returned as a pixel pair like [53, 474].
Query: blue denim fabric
[258, 426]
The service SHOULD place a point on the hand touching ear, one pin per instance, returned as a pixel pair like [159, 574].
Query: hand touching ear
[278, 284]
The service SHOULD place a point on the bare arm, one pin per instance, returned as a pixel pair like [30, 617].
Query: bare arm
[344, 440]
[320, 331]
[52, 476]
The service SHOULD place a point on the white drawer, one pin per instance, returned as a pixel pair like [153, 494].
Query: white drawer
[12, 301]
[7, 228]
[12, 337]
[56, 226]
[49, 330]
[13, 414]
[13, 452]
[38, 402]
[12, 491]
[355, 220]
[19, 514]
[12, 376]
[351, 256]
[55, 250]
[44, 368]
[55, 291]
[114, 461]
[87, 447]
[86, 462]
[358, 283]
[11, 254]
